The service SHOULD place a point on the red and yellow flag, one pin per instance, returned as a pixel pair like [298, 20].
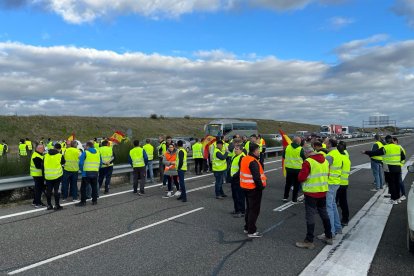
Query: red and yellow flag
[207, 142]
[285, 142]
[71, 138]
[117, 137]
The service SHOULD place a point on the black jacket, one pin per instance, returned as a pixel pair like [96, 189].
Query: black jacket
[255, 171]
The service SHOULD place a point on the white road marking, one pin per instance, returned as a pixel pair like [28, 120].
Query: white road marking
[100, 243]
[354, 251]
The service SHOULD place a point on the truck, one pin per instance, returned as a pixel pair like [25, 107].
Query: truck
[331, 129]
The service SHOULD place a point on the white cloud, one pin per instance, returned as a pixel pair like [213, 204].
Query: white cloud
[338, 22]
[217, 54]
[405, 8]
[81, 81]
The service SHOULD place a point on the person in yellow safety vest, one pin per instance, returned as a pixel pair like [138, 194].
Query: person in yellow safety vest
[53, 161]
[5, 148]
[341, 194]
[219, 164]
[252, 180]
[22, 148]
[162, 148]
[105, 172]
[377, 165]
[1, 149]
[294, 156]
[36, 171]
[335, 160]
[138, 159]
[149, 149]
[229, 148]
[314, 179]
[262, 145]
[317, 145]
[29, 146]
[70, 171]
[197, 149]
[236, 191]
[49, 144]
[402, 186]
[90, 162]
[181, 164]
[96, 143]
[253, 139]
[392, 155]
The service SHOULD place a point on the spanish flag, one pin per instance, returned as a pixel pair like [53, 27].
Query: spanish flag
[71, 138]
[285, 142]
[117, 137]
[207, 142]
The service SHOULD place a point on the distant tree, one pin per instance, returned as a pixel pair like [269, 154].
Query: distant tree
[154, 116]
[187, 117]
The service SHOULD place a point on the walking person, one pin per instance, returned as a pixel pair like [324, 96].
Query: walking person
[377, 165]
[181, 169]
[53, 161]
[219, 164]
[89, 163]
[294, 157]
[341, 194]
[70, 171]
[138, 159]
[149, 150]
[197, 149]
[252, 181]
[314, 178]
[236, 191]
[36, 171]
[105, 172]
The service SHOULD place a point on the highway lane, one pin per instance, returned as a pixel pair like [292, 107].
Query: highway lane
[206, 242]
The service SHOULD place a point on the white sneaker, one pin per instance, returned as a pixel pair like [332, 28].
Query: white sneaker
[395, 202]
[168, 195]
[177, 193]
[374, 190]
[399, 200]
[323, 237]
[403, 197]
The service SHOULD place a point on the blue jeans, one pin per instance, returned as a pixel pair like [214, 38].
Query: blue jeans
[182, 184]
[70, 179]
[378, 173]
[402, 187]
[150, 170]
[333, 209]
[219, 182]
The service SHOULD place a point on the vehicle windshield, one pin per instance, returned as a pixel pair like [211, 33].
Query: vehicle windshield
[214, 129]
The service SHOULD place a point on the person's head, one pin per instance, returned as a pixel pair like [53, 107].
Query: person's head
[219, 144]
[95, 139]
[238, 149]
[341, 146]
[3, 141]
[180, 143]
[27, 139]
[317, 145]
[297, 140]
[308, 150]
[148, 141]
[58, 146]
[377, 137]
[40, 148]
[253, 138]
[236, 136]
[388, 139]
[48, 139]
[22, 141]
[161, 138]
[89, 145]
[104, 143]
[254, 149]
[169, 139]
[244, 138]
[171, 147]
[196, 140]
[332, 143]
[136, 143]
[395, 140]
[226, 139]
[74, 144]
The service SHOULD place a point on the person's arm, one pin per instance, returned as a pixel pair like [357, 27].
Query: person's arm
[145, 157]
[402, 155]
[377, 152]
[284, 153]
[304, 172]
[329, 159]
[181, 160]
[38, 163]
[222, 156]
[129, 159]
[237, 174]
[302, 154]
[62, 160]
[82, 161]
[255, 171]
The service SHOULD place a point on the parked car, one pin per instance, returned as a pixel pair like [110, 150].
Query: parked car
[186, 138]
[410, 215]
[186, 144]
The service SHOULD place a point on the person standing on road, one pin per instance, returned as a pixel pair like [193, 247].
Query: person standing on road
[219, 164]
[393, 155]
[377, 165]
[197, 149]
[89, 163]
[23, 148]
[237, 192]
[29, 145]
[181, 169]
[335, 160]
[341, 194]
[53, 161]
[138, 159]
[314, 178]
[105, 172]
[36, 171]
[402, 187]
[149, 150]
[162, 148]
[262, 144]
[170, 173]
[294, 157]
[70, 171]
[252, 181]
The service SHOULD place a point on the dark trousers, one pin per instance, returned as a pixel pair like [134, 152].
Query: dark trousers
[313, 206]
[105, 172]
[139, 173]
[168, 179]
[261, 159]
[292, 180]
[182, 184]
[161, 169]
[205, 165]
[253, 202]
[53, 185]
[342, 201]
[219, 182]
[239, 199]
[39, 187]
[198, 165]
[394, 184]
[70, 182]
[92, 181]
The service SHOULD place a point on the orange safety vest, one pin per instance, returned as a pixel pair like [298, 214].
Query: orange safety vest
[170, 158]
[246, 178]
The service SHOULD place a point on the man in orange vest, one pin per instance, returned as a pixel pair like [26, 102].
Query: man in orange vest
[252, 181]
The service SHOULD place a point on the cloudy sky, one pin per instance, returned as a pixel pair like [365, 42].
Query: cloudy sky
[315, 61]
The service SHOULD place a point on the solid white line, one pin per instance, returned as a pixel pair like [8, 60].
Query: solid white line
[100, 243]
[353, 253]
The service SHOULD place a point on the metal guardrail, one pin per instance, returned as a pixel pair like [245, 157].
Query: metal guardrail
[27, 181]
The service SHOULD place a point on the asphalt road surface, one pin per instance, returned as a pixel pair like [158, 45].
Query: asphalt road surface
[126, 234]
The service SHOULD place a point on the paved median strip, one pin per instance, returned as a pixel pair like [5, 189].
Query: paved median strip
[100, 243]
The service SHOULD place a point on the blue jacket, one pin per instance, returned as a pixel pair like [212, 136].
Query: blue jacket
[82, 161]
[145, 158]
